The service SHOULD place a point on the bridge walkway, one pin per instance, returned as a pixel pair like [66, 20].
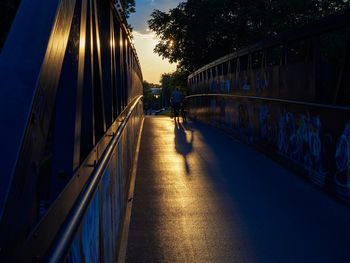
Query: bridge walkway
[202, 196]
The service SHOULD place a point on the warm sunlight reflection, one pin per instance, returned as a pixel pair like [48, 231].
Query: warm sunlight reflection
[181, 180]
[98, 43]
[82, 43]
[112, 43]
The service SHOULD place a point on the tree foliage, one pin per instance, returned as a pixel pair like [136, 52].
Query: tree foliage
[128, 6]
[170, 81]
[198, 31]
[151, 101]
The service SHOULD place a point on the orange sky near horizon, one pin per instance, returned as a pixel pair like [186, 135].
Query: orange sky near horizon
[152, 65]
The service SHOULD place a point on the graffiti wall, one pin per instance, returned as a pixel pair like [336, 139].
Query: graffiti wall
[99, 235]
[292, 82]
[312, 139]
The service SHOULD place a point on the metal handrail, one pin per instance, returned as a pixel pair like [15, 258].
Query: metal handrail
[328, 23]
[310, 104]
[77, 213]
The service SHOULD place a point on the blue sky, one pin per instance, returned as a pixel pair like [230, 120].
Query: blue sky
[145, 7]
[152, 65]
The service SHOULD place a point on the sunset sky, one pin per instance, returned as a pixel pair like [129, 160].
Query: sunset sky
[152, 65]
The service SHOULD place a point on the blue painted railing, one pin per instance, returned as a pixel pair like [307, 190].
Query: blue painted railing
[70, 112]
[92, 230]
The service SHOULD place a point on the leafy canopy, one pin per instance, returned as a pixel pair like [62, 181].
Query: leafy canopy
[128, 6]
[150, 101]
[197, 32]
[170, 81]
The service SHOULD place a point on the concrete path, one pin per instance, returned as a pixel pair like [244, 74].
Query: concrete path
[201, 196]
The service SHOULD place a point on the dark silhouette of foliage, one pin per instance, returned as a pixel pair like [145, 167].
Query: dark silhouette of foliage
[150, 101]
[128, 6]
[170, 81]
[197, 32]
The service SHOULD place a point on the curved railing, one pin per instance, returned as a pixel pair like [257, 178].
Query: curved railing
[109, 179]
[67, 234]
[312, 139]
[308, 63]
[69, 78]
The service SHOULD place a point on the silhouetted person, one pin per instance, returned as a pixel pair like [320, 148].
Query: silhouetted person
[175, 100]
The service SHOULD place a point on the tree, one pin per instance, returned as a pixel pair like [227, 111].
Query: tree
[170, 81]
[128, 6]
[197, 32]
[151, 101]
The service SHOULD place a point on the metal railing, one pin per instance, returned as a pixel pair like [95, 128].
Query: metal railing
[271, 100]
[309, 63]
[69, 73]
[51, 240]
[62, 244]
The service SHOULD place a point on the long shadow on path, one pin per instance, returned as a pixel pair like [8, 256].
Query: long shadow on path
[285, 218]
[237, 205]
[183, 144]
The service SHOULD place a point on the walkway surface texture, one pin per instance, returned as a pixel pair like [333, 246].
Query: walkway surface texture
[201, 196]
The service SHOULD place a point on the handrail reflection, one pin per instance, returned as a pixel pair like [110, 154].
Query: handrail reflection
[268, 99]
